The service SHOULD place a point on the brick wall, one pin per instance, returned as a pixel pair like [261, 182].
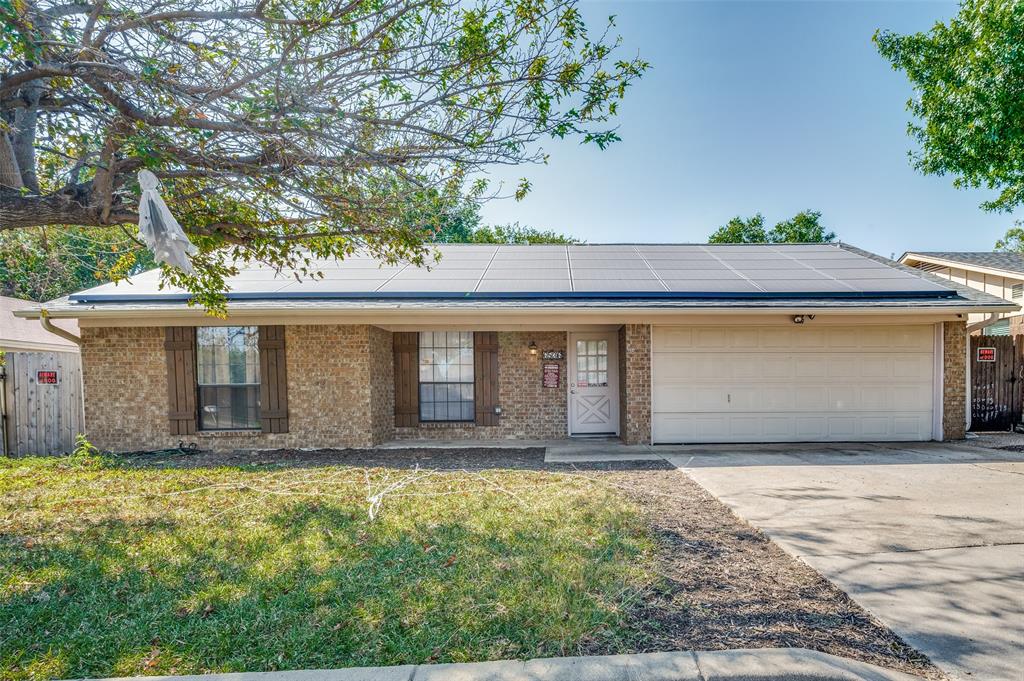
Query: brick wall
[954, 382]
[124, 380]
[528, 409]
[340, 390]
[382, 385]
[635, 379]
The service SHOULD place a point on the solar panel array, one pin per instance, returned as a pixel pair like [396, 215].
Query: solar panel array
[487, 271]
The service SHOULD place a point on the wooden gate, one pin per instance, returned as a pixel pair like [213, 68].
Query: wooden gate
[997, 382]
[43, 401]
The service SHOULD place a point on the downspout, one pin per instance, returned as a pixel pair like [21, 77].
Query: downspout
[992, 318]
[44, 321]
[3, 410]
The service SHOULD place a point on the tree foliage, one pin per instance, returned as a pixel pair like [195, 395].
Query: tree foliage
[741, 231]
[42, 263]
[804, 227]
[968, 80]
[1013, 240]
[285, 131]
[464, 226]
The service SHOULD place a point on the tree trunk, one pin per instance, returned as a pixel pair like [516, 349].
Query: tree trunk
[9, 175]
[69, 207]
[24, 138]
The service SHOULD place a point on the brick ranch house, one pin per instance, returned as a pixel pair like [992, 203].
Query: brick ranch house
[652, 343]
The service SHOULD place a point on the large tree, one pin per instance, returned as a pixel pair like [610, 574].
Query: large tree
[289, 130]
[968, 104]
[465, 226]
[41, 263]
[804, 227]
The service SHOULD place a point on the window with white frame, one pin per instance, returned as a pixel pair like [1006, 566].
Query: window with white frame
[446, 376]
[228, 372]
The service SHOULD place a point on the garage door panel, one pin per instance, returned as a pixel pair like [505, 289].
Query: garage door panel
[790, 428]
[709, 339]
[672, 338]
[813, 366]
[911, 366]
[827, 384]
[842, 366]
[809, 397]
[809, 339]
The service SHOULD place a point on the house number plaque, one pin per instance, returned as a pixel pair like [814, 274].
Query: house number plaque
[553, 354]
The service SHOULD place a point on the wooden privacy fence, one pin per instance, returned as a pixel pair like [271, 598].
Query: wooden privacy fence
[42, 405]
[997, 382]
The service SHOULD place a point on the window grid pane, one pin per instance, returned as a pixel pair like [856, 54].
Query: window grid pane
[446, 376]
[591, 363]
[228, 374]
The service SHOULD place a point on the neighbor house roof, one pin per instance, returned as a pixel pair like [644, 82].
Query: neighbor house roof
[578, 277]
[27, 335]
[1010, 263]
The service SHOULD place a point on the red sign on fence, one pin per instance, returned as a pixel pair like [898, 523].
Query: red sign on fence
[986, 354]
[46, 377]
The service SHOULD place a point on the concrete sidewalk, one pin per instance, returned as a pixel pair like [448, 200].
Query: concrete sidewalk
[769, 664]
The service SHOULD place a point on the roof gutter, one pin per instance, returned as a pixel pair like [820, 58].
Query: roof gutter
[44, 321]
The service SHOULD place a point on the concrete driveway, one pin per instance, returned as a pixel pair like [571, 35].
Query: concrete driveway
[928, 537]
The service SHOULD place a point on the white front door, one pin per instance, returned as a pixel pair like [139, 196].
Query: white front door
[593, 383]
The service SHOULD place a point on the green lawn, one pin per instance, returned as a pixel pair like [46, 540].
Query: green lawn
[112, 569]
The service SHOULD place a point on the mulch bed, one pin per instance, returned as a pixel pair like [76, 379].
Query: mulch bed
[725, 584]
[730, 586]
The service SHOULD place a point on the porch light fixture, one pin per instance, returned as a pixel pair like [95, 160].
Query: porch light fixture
[533, 348]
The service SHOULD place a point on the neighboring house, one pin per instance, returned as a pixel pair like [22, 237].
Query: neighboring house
[654, 343]
[27, 335]
[1000, 274]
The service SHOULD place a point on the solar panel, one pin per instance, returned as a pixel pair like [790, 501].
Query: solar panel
[475, 270]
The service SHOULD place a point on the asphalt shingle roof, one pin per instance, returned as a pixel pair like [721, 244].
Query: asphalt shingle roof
[1011, 262]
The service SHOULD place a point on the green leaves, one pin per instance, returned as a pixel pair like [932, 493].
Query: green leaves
[1013, 240]
[306, 126]
[968, 80]
[804, 227]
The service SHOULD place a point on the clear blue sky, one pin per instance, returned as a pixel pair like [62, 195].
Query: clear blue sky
[750, 107]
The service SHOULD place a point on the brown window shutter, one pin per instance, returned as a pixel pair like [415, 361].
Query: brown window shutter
[485, 368]
[180, 345]
[273, 380]
[407, 378]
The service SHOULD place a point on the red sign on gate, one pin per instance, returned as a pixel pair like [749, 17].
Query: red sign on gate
[46, 377]
[986, 354]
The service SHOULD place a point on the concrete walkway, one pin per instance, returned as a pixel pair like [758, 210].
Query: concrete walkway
[929, 537]
[778, 664]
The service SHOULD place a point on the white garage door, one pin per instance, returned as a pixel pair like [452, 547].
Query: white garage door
[797, 383]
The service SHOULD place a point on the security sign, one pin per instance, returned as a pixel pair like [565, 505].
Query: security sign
[986, 354]
[46, 377]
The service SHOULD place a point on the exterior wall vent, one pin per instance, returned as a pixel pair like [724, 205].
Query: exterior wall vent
[1017, 291]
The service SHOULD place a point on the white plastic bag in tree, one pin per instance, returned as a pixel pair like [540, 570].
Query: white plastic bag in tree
[159, 229]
